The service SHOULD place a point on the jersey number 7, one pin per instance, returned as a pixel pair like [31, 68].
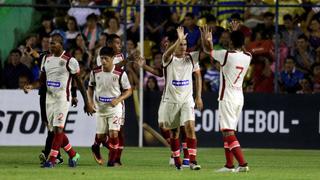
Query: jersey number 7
[240, 68]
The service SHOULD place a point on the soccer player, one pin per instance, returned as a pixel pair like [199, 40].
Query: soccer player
[114, 41]
[56, 72]
[111, 86]
[234, 65]
[177, 100]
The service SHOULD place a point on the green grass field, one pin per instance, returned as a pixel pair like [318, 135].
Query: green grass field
[152, 163]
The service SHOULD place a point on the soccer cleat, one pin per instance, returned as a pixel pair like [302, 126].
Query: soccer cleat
[96, 154]
[171, 161]
[179, 168]
[185, 163]
[59, 160]
[42, 158]
[73, 161]
[225, 170]
[110, 164]
[117, 163]
[47, 164]
[194, 166]
[242, 169]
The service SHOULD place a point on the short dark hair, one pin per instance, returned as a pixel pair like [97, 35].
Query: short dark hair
[236, 16]
[190, 15]
[287, 17]
[112, 37]
[57, 34]
[16, 51]
[268, 14]
[303, 36]
[237, 39]
[290, 57]
[106, 51]
[92, 16]
[211, 18]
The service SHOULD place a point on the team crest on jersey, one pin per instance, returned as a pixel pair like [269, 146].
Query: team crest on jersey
[114, 79]
[62, 63]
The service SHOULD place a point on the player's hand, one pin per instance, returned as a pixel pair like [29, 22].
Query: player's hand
[27, 88]
[115, 102]
[181, 35]
[199, 103]
[141, 61]
[207, 33]
[74, 102]
[89, 109]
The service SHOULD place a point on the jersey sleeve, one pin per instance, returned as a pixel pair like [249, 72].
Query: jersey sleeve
[42, 64]
[218, 55]
[74, 66]
[92, 81]
[125, 81]
[195, 58]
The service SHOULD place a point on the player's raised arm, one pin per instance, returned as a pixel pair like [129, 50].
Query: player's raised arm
[172, 48]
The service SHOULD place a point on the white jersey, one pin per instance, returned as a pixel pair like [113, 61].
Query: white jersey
[234, 66]
[116, 59]
[178, 77]
[108, 86]
[58, 75]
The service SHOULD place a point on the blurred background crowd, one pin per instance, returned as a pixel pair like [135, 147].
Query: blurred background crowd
[86, 28]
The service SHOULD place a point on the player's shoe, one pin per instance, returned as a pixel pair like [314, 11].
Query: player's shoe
[185, 163]
[96, 154]
[73, 161]
[42, 158]
[242, 169]
[179, 168]
[59, 160]
[118, 163]
[225, 170]
[110, 164]
[171, 161]
[47, 164]
[194, 166]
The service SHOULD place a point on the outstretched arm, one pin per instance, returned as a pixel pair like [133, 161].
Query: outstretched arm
[171, 49]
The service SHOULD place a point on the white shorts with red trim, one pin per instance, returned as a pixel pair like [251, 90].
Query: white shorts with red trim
[229, 114]
[57, 112]
[108, 122]
[174, 115]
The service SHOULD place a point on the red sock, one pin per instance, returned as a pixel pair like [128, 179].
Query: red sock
[228, 154]
[97, 141]
[175, 149]
[184, 143]
[165, 134]
[235, 148]
[106, 142]
[56, 144]
[192, 148]
[114, 143]
[67, 146]
[120, 147]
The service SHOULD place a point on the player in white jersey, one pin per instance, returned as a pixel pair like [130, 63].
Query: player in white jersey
[111, 86]
[177, 100]
[56, 72]
[234, 65]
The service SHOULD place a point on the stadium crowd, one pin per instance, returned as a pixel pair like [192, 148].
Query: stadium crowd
[86, 30]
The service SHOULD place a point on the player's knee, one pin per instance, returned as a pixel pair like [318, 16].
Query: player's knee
[228, 133]
[174, 133]
[113, 133]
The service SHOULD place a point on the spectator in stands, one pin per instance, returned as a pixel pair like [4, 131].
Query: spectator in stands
[92, 30]
[157, 64]
[193, 31]
[156, 18]
[267, 27]
[254, 15]
[184, 7]
[81, 43]
[212, 77]
[14, 69]
[131, 47]
[23, 81]
[316, 77]
[314, 33]
[262, 76]
[289, 32]
[46, 26]
[224, 13]
[243, 28]
[26, 50]
[304, 54]
[81, 13]
[306, 86]
[290, 77]
[172, 23]
[152, 84]
[114, 27]
[224, 41]
[71, 32]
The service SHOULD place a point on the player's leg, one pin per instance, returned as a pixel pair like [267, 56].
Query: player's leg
[229, 114]
[185, 162]
[100, 138]
[121, 146]
[188, 118]
[175, 147]
[114, 124]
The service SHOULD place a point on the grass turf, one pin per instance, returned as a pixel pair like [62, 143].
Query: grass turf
[152, 163]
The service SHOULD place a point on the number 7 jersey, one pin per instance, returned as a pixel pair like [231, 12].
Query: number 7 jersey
[234, 66]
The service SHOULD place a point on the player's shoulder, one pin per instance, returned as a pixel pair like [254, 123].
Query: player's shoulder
[119, 56]
[97, 69]
[118, 70]
[247, 53]
[66, 56]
